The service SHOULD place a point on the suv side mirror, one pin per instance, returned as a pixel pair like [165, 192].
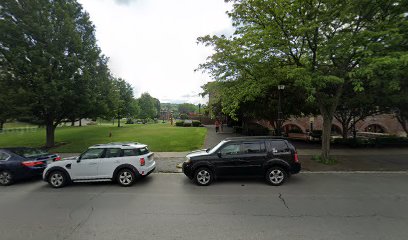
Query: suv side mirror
[219, 154]
[78, 159]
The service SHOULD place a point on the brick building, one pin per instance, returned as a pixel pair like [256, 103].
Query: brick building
[385, 123]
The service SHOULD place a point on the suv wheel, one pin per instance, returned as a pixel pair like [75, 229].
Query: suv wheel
[6, 178]
[203, 177]
[276, 176]
[57, 179]
[126, 177]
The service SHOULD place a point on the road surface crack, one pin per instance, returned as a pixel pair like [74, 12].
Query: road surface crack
[80, 224]
[283, 201]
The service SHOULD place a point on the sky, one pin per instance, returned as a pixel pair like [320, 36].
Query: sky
[152, 44]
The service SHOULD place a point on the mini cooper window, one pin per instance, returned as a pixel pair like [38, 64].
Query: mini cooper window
[231, 149]
[143, 151]
[112, 152]
[255, 147]
[93, 153]
[130, 152]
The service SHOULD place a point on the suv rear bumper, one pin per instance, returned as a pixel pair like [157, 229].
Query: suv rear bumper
[296, 167]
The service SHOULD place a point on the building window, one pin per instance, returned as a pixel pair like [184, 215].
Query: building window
[375, 128]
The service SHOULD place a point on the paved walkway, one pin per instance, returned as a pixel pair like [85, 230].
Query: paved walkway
[213, 138]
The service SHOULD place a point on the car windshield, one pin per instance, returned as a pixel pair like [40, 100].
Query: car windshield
[29, 152]
[214, 149]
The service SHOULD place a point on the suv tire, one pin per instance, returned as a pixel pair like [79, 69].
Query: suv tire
[276, 176]
[6, 178]
[203, 176]
[125, 177]
[57, 179]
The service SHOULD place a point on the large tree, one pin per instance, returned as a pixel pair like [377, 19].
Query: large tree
[148, 106]
[50, 48]
[125, 105]
[314, 44]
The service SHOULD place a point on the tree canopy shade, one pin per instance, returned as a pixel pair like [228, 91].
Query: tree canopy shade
[49, 51]
[313, 45]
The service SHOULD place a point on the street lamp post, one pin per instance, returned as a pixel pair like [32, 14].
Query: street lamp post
[199, 111]
[279, 132]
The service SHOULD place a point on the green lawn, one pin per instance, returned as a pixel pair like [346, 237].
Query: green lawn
[160, 137]
[18, 125]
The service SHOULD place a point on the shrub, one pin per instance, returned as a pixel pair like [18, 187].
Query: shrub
[183, 116]
[237, 129]
[129, 121]
[316, 133]
[196, 123]
[185, 124]
[255, 129]
[179, 123]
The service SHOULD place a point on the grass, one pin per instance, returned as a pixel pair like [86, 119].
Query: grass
[160, 137]
[319, 159]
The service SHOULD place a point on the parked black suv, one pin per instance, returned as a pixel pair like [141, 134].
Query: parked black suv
[272, 158]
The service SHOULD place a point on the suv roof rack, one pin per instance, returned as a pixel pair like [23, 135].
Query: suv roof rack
[254, 138]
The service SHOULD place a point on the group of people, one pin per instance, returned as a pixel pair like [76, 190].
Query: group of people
[218, 125]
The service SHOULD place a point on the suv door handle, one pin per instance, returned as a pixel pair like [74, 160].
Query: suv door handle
[92, 163]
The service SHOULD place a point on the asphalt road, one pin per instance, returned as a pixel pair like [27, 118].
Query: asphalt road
[168, 206]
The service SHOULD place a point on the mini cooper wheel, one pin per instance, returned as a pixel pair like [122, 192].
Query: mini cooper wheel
[57, 179]
[203, 177]
[6, 178]
[276, 176]
[126, 177]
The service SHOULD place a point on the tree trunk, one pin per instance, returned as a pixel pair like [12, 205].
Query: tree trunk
[118, 121]
[80, 122]
[345, 130]
[327, 124]
[1, 125]
[50, 133]
[72, 122]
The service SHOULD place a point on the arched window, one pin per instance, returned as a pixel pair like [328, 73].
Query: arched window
[292, 128]
[335, 130]
[375, 128]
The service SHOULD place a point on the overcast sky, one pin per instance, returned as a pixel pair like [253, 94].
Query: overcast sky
[152, 44]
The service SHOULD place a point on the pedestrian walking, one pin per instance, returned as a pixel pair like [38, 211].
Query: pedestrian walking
[217, 125]
[221, 126]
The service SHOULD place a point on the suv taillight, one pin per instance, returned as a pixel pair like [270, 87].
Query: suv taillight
[296, 157]
[142, 162]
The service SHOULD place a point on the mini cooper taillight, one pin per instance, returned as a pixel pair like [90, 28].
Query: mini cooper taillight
[142, 161]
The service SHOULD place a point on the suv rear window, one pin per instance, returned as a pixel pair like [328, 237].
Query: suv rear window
[254, 147]
[277, 146]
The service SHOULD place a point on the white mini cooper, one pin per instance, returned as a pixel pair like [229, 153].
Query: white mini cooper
[120, 162]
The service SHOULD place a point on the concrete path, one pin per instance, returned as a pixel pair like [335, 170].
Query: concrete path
[169, 206]
[213, 138]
